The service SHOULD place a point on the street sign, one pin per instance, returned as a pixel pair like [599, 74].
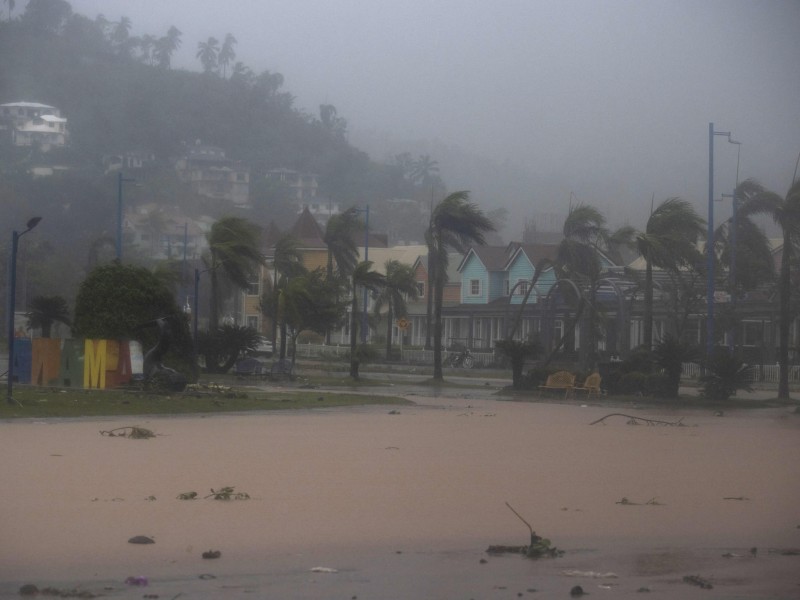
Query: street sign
[403, 324]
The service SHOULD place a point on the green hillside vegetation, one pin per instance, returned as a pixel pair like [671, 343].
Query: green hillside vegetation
[120, 94]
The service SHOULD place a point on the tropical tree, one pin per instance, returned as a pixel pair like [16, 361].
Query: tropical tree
[233, 245]
[400, 284]
[340, 235]
[669, 242]
[287, 263]
[207, 52]
[786, 214]
[670, 353]
[363, 277]
[579, 258]
[456, 223]
[226, 53]
[309, 302]
[46, 310]
[120, 36]
[166, 46]
[424, 170]
[340, 238]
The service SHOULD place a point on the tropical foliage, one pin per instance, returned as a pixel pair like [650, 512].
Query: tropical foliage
[724, 376]
[399, 285]
[362, 278]
[46, 310]
[223, 347]
[456, 223]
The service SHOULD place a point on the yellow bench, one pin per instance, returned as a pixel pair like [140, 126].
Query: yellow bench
[559, 381]
[591, 385]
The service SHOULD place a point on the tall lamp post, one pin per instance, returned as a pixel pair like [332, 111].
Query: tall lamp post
[710, 238]
[120, 180]
[12, 291]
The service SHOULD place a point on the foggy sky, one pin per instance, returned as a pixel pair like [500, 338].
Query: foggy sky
[607, 100]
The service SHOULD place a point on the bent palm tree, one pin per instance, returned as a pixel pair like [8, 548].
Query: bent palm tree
[786, 213]
[233, 245]
[363, 277]
[455, 223]
[669, 241]
[287, 263]
[400, 284]
[46, 310]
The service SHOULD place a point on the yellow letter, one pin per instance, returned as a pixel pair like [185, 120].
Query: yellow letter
[94, 364]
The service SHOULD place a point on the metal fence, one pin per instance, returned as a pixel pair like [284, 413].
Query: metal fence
[416, 356]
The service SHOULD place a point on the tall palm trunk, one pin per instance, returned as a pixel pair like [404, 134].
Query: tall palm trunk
[648, 306]
[429, 313]
[785, 319]
[389, 319]
[437, 330]
[353, 335]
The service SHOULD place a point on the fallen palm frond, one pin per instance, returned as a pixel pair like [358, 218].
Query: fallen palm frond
[632, 420]
[227, 493]
[136, 433]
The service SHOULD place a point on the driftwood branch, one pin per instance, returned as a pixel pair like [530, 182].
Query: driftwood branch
[534, 538]
[139, 433]
[632, 420]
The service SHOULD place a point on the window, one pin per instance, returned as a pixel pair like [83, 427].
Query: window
[752, 333]
[522, 287]
[252, 288]
[252, 322]
[421, 289]
[474, 287]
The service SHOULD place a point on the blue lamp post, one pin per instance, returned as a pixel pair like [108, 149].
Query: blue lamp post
[12, 291]
[710, 238]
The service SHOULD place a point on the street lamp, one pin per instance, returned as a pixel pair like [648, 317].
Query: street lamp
[120, 181]
[12, 290]
[710, 237]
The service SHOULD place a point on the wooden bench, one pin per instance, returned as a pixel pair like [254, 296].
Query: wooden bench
[558, 382]
[248, 367]
[281, 369]
[591, 385]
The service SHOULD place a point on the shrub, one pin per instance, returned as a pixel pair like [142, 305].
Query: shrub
[725, 374]
[632, 383]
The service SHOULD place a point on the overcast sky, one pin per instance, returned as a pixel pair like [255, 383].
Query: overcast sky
[612, 99]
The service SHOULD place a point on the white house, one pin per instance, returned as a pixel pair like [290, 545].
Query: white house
[34, 124]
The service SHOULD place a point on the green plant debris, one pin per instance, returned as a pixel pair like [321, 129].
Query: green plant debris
[187, 496]
[227, 493]
[538, 548]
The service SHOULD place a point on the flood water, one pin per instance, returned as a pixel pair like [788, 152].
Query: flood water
[405, 505]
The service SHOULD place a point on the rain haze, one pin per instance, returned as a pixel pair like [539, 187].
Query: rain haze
[530, 104]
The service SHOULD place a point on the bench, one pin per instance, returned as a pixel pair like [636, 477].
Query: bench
[591, 385]
[281, 369]
[559, 381]
[248, 367]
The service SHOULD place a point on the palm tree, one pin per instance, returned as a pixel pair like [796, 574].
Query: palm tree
[669, 241]
[400, 284]
[233, 245]
[166, 46]
[339, 237]
[207, 53]
[287, 263]
[786, 214]
[120, 35]
[226, 53]
[362, 277]
[46, 310]
[456, 223]
[424, 169]
[578, 258]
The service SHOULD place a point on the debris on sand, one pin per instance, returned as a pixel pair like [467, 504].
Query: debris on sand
[698, 581]
[134, 433]
[323, 570]
[652, 502]
[138, 580]
[592, 574]
[633, 420]
[539, 547]
[141, 539]
[212, 554]
[227, 493]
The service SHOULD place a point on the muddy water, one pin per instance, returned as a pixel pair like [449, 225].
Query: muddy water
[406, 501]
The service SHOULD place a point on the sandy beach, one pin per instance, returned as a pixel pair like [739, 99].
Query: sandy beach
[362, 503]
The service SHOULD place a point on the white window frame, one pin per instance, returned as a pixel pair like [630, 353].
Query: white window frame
[472, 283]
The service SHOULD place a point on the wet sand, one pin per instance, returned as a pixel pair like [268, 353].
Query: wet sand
[405, 505]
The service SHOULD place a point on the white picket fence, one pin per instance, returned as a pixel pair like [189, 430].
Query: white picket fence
[765, 373]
